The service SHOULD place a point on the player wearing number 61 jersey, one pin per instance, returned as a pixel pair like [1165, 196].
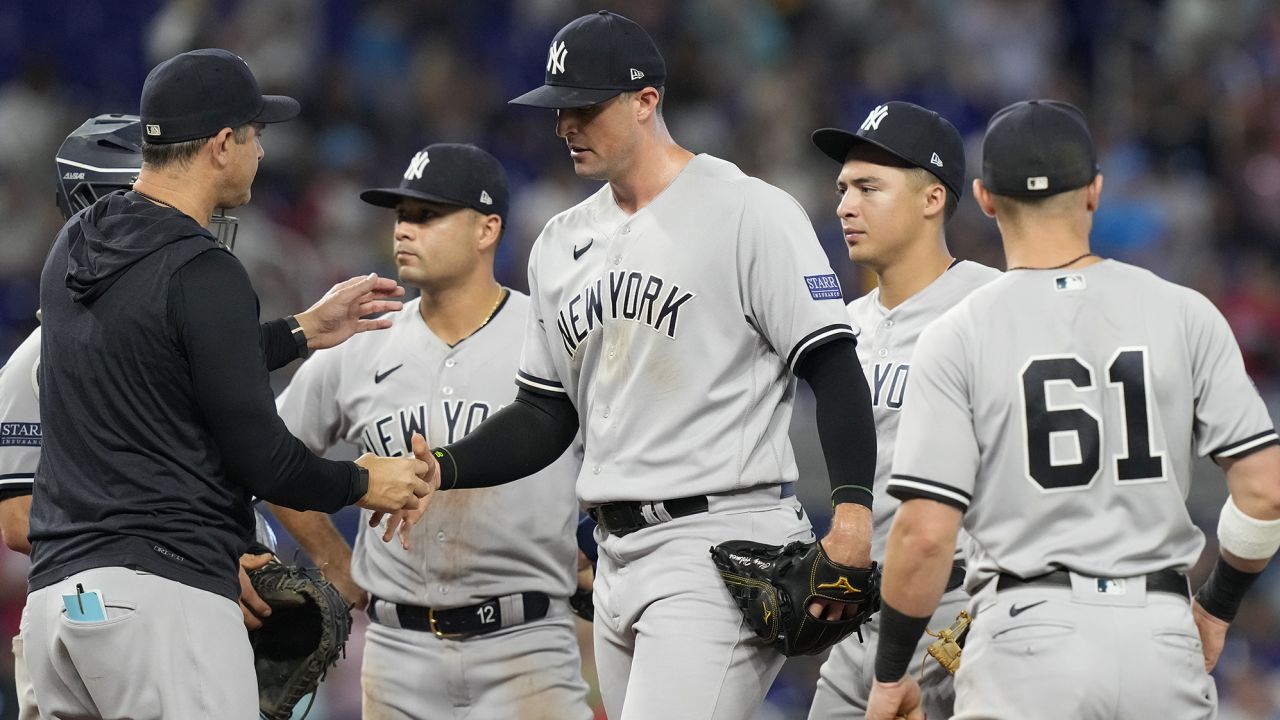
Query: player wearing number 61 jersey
[1055, 411]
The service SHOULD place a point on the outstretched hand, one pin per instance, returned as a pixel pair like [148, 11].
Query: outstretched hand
[341, 312]
[404, 520]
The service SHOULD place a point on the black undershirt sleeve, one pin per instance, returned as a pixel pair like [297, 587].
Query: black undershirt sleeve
[213, 310]
[517, 441]
[846, 427]
[278, 346]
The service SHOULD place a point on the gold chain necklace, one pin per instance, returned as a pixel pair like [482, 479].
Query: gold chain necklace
[502, 294]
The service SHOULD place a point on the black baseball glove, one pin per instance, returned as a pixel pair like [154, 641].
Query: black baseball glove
[304, 635]
[774, 586]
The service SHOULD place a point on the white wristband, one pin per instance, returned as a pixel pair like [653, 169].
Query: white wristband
[1245, 537]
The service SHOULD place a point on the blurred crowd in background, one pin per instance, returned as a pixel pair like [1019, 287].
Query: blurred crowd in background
[1183, 96]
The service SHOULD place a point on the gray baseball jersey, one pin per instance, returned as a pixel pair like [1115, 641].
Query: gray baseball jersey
[375, 391]
[1059, 410]
[675, 331]
[20, 418]
[886, 342]
[19, 454]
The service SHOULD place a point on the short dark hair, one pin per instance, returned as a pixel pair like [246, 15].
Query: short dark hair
[1011, 206]
[160, 155]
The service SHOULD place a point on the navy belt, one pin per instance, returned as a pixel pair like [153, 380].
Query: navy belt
[956, 578]
[461, 622]
[1165, 581]
[624, 518]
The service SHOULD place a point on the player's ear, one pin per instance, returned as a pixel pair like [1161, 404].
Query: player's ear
[935, 200]
[488, 232]
[1093, 193]
[983, 198]
[645, 103]
[219, 147]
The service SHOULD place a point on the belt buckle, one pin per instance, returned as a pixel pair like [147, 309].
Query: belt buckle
[431, 622]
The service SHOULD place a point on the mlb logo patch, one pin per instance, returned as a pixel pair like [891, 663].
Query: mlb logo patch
[1065, 283]
[20, 434]
[823, 287]
[153, 130]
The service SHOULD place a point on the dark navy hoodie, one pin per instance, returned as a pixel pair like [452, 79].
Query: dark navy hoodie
[159, 421]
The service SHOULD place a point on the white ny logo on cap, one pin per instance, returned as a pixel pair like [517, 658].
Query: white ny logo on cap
[555, 58]
[873, 119]
[417, 165]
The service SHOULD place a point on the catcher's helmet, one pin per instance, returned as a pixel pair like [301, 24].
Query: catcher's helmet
[101, 156]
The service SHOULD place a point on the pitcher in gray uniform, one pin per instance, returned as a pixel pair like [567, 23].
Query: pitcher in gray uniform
[469, 611]
[1055, 412]
[901, 179]
[670, 313]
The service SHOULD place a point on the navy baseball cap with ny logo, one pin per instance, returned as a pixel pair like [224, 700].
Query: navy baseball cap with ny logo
[450, 174]
[918, 136]
[596, 58]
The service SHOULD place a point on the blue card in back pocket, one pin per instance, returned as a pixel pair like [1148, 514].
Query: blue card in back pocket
[85, 606]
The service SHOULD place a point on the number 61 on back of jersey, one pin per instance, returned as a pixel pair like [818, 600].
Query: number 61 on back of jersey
[1075, 430]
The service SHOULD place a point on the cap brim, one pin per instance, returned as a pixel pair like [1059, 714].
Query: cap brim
[559, 97]
[278, 108]
[836, 144]
[390, 197]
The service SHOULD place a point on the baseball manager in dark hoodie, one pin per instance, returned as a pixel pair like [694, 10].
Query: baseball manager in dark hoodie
[159, 422]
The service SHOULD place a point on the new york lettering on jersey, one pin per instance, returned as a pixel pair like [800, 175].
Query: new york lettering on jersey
[390, 434]
[626, 312]
[643, 298]
[443, 392]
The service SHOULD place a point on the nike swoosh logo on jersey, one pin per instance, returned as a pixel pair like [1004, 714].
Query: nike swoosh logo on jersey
[579, 253]
[380, 376]
[1015, 611]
